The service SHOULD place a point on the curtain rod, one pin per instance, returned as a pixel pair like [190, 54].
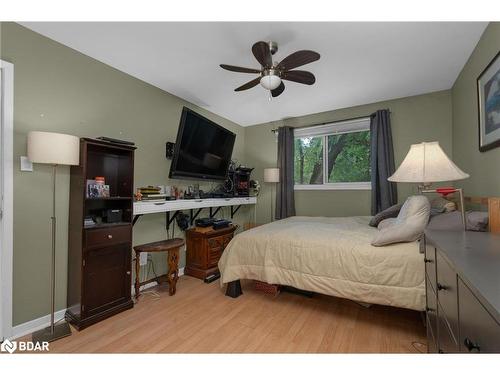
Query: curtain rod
[275, 130]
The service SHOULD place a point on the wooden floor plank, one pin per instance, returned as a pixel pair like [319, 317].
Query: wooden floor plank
[201, 319]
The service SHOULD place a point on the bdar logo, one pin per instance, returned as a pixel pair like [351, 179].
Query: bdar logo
[24, 346]
[8, 346]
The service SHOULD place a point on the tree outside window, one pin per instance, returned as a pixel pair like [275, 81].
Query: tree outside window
[347, 158]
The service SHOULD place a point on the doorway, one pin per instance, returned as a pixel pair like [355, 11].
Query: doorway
[6, 195]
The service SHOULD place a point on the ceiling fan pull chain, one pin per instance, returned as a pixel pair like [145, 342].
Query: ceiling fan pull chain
[270, 96]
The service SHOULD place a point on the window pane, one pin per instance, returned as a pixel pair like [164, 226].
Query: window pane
[349, 157]
[309, 160]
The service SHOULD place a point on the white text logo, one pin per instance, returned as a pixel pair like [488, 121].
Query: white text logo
[8, 346]
[24, 346]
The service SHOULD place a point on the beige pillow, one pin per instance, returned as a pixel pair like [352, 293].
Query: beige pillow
[408, 226]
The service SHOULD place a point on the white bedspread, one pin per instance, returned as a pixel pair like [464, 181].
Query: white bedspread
[331, 256]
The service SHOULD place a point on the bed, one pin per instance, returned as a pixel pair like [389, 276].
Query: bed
[326, 255]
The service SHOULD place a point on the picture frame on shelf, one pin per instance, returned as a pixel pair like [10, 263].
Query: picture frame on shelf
[95, 191]
[488, 95]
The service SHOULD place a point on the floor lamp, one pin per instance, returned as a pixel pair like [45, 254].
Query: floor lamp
[272, 175]
[426, 163]
[55, 149]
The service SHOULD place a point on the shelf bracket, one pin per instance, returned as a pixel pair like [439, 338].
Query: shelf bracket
[193, 217]
[170, 219]
[136, 217]
[233, 210]
[212, 214]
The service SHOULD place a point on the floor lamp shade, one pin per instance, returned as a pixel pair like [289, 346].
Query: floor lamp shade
[426, 163]
[271, 175]
[53, 148]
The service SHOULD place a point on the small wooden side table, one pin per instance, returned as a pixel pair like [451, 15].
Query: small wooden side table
[171, 246]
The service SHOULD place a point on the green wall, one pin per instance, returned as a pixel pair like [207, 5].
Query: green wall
[59, 89]
[414, 119]
[483, 167]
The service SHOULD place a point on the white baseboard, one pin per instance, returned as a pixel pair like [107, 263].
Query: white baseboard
[35, 324]
[27, 328]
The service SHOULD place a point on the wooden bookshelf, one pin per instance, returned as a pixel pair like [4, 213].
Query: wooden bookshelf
[99, 258]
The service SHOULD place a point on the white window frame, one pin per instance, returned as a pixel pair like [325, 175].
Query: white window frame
[334, 128]
[6, 196]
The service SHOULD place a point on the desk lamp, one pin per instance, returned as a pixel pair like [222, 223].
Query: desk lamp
[426, 163]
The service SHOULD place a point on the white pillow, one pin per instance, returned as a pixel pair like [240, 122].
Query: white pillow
[386, 223]
[408, 226]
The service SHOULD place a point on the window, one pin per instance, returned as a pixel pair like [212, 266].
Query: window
[333, 156]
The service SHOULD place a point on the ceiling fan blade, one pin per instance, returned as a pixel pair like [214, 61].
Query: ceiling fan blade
[297, 59]
[300, 76]
[248, 85]
[278, 90]
[239, 69]
[262, 53]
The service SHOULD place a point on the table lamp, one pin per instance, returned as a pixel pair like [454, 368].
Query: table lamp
[55, 149]
[426, 163]
[272, 175]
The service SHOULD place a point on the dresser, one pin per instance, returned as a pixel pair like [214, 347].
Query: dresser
[462, 273]
[204, 249]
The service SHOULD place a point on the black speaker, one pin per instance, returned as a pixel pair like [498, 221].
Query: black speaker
[182, 220]
[169, 150]
[113, 216]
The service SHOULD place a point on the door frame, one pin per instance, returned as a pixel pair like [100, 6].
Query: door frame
[7, 195]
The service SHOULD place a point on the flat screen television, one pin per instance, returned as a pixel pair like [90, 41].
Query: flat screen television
[202, 150]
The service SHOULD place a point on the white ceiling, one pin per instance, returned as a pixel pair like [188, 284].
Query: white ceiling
[360, 63]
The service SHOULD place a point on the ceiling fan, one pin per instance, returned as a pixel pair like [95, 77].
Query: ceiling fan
[271, 74]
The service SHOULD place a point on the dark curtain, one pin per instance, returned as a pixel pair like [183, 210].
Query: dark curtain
[384, 193]
[285, 200]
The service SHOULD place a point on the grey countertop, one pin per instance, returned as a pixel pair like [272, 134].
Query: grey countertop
[476, 258]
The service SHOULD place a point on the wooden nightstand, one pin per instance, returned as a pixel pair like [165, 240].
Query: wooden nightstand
[204, 249]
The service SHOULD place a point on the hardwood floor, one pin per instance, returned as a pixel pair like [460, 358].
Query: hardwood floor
[200, 319]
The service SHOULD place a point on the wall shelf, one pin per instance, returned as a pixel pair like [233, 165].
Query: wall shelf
[144, 208]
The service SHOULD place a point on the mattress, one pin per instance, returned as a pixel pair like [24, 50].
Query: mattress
[331, 256]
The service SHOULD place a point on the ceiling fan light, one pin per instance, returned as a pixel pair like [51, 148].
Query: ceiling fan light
[270, 81]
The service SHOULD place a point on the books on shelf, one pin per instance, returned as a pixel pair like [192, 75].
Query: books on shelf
[88, 222]
[149, 190]
[151, 193]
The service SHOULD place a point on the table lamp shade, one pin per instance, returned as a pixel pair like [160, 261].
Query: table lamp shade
[53, 148]
[271, 175]
[426, 163]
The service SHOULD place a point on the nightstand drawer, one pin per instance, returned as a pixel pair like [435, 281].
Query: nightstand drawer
[479, 332]
[214, 256]
[226, 239]
[215, 242]
[446, 289]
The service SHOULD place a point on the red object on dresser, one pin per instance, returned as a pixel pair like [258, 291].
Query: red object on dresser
[444, 191]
